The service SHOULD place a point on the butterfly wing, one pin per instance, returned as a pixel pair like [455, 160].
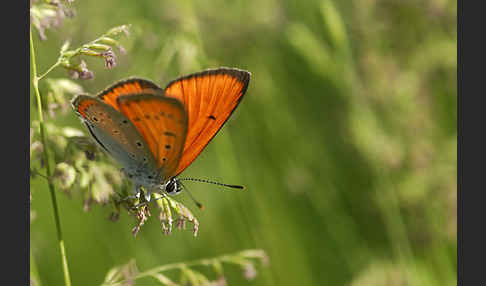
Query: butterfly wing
[114, 133]
[127, 87]
[162, 122]
[210, 97]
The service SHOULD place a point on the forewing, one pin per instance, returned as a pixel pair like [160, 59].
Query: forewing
[209, 97]
[113, 132]
[128, 87]
[162, 122]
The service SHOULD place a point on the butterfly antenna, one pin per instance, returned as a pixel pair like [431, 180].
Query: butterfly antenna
[198, 204]
[214, 183]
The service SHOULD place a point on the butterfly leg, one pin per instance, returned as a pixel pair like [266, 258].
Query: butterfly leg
[147, 195]
[129, 197]
[136, 191]
[135, 194]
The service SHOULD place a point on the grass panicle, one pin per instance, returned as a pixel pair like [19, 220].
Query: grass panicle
[190, 273]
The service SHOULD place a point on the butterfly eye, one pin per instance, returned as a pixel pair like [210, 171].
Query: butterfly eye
[172, 188]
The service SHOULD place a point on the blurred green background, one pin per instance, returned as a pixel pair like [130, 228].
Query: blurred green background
[345, 141]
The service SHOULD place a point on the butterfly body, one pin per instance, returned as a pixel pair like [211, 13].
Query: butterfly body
[154, 133]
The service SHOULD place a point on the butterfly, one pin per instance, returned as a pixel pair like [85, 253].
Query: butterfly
[154, 133]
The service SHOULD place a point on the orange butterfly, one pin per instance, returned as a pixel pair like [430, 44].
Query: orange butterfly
[155, 133]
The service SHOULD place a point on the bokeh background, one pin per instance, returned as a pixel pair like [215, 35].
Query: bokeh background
[345, 141]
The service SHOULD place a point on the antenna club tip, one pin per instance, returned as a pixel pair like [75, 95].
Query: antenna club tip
[200, 206]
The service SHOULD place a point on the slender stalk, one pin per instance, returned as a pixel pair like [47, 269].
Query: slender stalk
[49, 70]
[35, 82]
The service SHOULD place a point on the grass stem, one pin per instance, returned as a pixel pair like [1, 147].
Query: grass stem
[35, 82]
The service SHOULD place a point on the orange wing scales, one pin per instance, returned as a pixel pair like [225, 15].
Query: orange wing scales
[82, 106]
[162, 122]
[177, 133]
[127, 87]
[210, 97]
